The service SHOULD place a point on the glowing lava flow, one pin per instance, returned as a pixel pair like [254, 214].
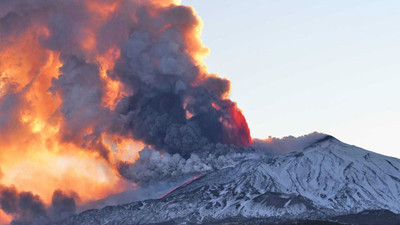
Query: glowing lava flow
[182, 185]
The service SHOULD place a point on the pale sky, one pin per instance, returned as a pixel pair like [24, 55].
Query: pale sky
[311, 65]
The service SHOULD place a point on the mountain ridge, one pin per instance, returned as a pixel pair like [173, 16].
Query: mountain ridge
[324, 180]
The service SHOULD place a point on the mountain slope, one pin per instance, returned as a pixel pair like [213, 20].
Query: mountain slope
[326, 179]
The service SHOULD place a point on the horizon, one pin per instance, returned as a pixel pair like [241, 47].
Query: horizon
[118, 101]
[328, 67]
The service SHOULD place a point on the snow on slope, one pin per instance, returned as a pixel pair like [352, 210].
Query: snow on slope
[327, 178]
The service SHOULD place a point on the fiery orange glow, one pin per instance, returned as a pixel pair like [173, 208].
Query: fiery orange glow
[90, 42]
[45, 171]
[241, 129]
[125, 149]
[35, 156]
[196, 48]
[4, 218]
[104, 9]
[113, 89]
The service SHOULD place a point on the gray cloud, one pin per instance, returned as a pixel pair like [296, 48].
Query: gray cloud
[153, 167]
[81, 90]
[62, 205]
[171, 103]
[286, 144]
[28, 209]
[25, 207]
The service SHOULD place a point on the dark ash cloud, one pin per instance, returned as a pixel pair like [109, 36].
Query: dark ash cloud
[28, 209]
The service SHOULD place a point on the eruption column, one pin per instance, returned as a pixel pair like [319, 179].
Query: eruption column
[85, 84]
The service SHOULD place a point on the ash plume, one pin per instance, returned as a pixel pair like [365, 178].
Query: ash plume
[28, 209]
[11, 103]
[167, 84]
[25, 207]
[158, 63]
[152, 167]
[62, 205]
[74, 72]
[81, 90]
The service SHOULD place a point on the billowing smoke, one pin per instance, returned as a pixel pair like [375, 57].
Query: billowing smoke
[158, 64]
[286, 144]
[168, 84]
[27, 208]
[81, 90]
[62, 205]
[153, 167]
[79, 77]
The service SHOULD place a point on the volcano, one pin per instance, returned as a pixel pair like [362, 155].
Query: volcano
[325, 181]
[101, 100]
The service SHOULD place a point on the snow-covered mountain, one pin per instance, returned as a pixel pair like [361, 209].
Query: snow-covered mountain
[326, 179]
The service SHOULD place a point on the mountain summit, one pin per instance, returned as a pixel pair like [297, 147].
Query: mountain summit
[327, 179]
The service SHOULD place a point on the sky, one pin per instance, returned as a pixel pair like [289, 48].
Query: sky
[303, 66]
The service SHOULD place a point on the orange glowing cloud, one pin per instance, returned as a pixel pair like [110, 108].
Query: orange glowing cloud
[4, 218]
[69, 72]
